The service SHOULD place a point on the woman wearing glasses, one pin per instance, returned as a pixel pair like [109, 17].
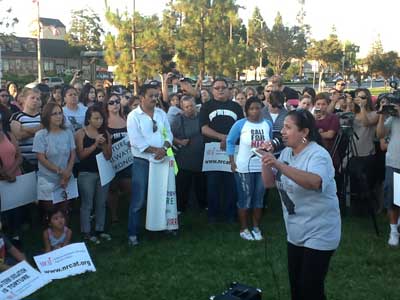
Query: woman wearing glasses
[362, 164]
[304, 177]
[117, 128]
[54, 146]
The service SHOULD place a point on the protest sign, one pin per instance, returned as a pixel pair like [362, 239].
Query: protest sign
[161, 211]
[121, 158]
[67, 261]
[71, 191]
[396, 188]
[21, 281]
[106, 170]
[18, 193]
[216, 159]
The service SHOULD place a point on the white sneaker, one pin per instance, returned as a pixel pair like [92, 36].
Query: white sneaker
[105, 236]
[393, 239]
[133, 241]
[246, 235]
[257, 234]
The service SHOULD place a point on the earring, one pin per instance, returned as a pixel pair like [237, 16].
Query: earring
[304, 140]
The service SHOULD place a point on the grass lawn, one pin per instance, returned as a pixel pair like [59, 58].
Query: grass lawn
[203, 259]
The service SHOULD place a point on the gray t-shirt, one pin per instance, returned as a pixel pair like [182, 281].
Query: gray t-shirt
[366, 135]
[75, 119]
[57, 148]
[393, 150]
[312, 217]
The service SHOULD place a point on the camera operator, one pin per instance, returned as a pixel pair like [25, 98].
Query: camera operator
[362, 163]
[326, 123]
[391, 128]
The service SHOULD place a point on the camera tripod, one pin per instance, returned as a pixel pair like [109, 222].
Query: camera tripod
[345, 148]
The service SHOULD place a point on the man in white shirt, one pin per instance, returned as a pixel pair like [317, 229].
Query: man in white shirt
[150, 136]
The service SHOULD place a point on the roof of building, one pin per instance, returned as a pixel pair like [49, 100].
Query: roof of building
[51, 22]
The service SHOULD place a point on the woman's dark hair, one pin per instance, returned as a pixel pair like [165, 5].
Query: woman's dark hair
[46, 115]
[65, 89]
[96, 108]
[172, 96]
[367, 93]
[84, 96]
[304, 119]
[276, 99]
[250, 101]
[9, 84]
[309, 90]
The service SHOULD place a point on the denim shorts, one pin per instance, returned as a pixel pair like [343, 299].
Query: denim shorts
[388, 187]
[250, 189]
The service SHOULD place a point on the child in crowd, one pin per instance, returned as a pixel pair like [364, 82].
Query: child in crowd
[6, 248]
[57, 235]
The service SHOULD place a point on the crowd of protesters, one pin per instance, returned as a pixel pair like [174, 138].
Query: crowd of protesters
[59, 134]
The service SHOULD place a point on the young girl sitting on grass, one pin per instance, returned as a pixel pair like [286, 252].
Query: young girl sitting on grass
[57, 235]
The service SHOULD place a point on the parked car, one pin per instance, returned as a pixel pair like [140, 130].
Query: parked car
[53, 81]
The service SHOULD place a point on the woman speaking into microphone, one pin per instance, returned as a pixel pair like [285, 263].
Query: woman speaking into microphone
[304, 177]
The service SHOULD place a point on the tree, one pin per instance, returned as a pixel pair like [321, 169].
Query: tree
[383, 64]
[327, 52]
[86, 31]
[283, 44]
[350, 57]
[256, 38]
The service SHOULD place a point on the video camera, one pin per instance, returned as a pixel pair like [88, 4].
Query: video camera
[392, 99]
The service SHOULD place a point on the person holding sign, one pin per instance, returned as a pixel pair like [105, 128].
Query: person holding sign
[117, 128]
[7, 249]
[54, 146]
[252, 132]
[150, 137]
[92, 139]
[10, 161]
[304, 176]
[216, 119]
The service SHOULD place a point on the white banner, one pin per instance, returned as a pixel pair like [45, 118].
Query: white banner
[396, 188]
[20, 281]
[121, 158]
[216, 159]
[67, 261]
[70, 192]
[161, 211]
[18, 193]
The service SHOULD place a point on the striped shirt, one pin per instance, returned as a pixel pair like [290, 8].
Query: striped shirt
[25, 145]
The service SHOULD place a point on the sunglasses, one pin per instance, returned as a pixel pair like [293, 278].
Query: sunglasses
[4, 95]
[113, 102]
[154, 125]
[268, 91]
[57, 113]
[362, 97]
[127, 97]
[221, 88]
[342, 84]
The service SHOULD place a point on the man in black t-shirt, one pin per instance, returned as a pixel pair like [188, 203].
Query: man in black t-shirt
[216, 119]
[277, 85]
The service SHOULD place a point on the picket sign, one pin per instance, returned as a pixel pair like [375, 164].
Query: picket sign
[161, 211]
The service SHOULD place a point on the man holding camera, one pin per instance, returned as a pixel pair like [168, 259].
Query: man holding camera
[389, 125]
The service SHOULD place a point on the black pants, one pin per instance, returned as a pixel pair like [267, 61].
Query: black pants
[185, 180]
[307, 271]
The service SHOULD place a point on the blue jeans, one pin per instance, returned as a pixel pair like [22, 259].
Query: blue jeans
[91, 191]
[218, 182]
[250, 189]
[140, 178]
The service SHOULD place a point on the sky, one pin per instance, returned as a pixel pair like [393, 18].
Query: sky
[361, 22]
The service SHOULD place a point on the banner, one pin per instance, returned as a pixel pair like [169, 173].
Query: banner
[70, 192]
[121, 158]
[67, 261]
[18, 193]
[396, 188]
[216, 159]
[161, 211]
[20, 281]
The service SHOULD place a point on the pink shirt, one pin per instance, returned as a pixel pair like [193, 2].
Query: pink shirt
[7, 154]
